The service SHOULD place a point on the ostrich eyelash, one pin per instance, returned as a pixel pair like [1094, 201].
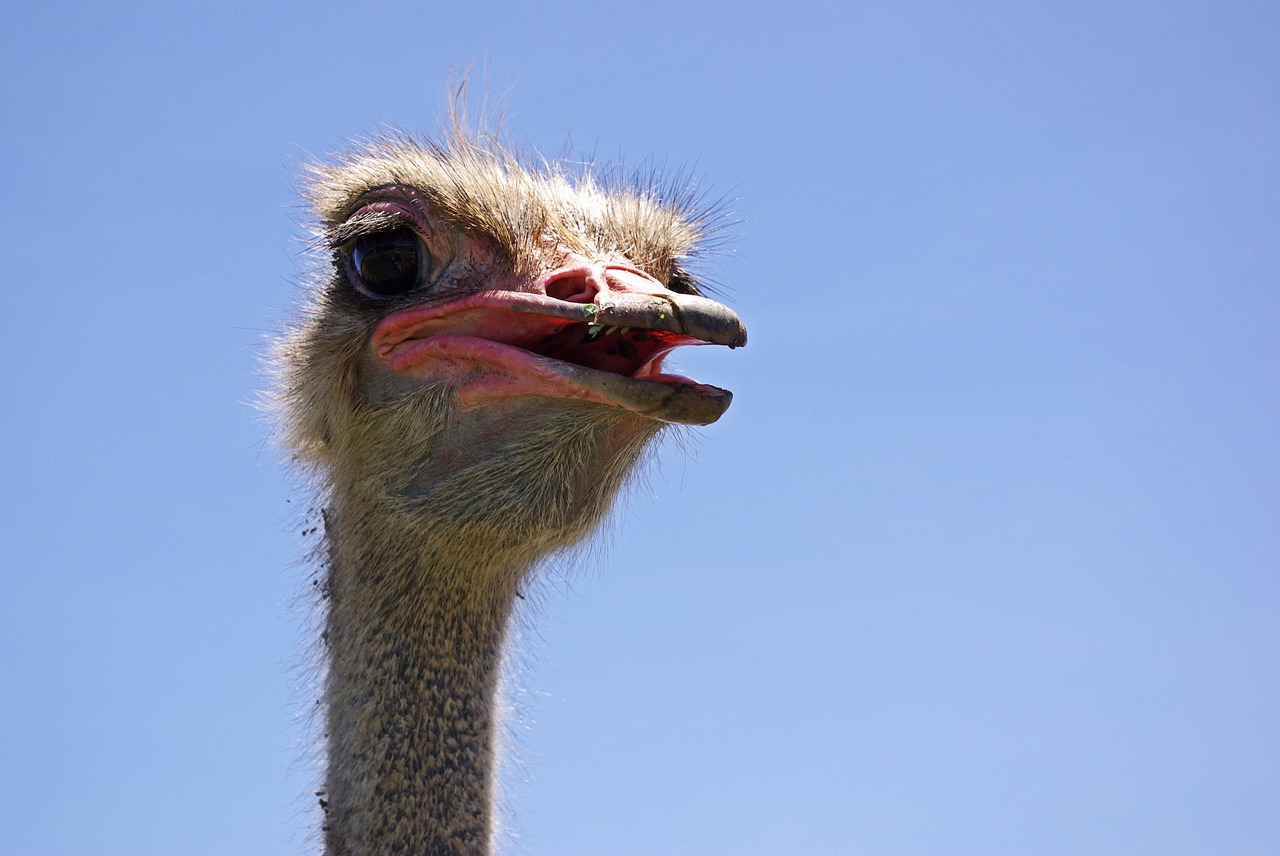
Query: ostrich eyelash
[363, 225]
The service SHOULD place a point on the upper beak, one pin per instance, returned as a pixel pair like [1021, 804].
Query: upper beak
[618, 296]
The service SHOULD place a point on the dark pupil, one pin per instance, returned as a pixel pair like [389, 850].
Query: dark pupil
[387, 263]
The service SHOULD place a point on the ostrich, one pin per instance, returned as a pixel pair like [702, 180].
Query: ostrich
[475, 371]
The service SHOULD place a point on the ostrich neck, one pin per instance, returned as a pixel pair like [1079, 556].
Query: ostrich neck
[415, 638]
[434, 520]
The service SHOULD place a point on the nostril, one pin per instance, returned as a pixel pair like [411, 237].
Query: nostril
[573, 288]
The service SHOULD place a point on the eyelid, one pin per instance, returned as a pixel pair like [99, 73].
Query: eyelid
[368, 223]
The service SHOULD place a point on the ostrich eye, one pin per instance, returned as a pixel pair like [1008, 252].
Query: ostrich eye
[388, 264]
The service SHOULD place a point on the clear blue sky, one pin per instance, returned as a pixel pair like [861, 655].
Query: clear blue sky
[985, 558]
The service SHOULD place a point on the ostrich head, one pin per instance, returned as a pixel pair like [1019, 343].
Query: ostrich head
[485, 347]
[475, 371]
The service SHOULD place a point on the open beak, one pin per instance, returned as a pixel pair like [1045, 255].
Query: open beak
[588, 332]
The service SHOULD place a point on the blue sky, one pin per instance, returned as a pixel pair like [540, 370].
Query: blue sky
[984, 559]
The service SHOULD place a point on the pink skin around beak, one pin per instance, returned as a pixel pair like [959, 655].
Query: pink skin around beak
[589, 332]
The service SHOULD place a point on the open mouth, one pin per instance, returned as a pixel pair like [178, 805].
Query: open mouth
[501, 344]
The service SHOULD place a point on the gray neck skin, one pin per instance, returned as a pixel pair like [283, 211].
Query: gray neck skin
[415, 654]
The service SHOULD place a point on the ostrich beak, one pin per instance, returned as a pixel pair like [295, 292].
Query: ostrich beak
[593, 333]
